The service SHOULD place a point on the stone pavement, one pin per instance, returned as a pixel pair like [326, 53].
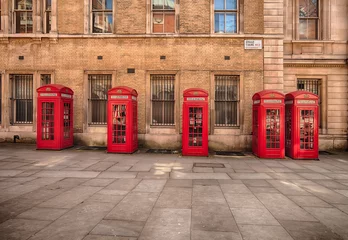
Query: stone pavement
[74, 194]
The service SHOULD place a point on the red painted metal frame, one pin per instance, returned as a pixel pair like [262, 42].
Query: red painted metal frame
[55, 128]
[268, 124]
[305, 145]
[122, 120]
[195, 143]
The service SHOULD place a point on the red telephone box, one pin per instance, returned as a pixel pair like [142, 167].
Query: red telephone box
[122, 120]
[302, 125]
[268, 124]
[54, 117]
[195, 123]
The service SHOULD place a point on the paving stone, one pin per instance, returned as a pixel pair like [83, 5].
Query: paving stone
[184, 175]
[153, 175]
[213, 217]
[169, 224]
[343, 192]
[76, 223]
[288, 188]
[206, 182]
[285, 176]
[98, 182]
[210, 235]
[326, 194]
[282, 170]
[303, 182]
[141, 167]
[202, 170]
[252, 232]
[203, 195]
[337, 175]
[228, 181]
[343, 208]
[292, 165]
[332, 218]
[243, 201]
[71, 198]
[256, 183]
[123, 184]
[282, 208]
[119, 228]
[136, 206]
[43, 181]
[15, 191]
[20, 179]
[44, 214]
[150, 186]
[179, 183]
[260, 168]
[309, 230]
[4, 184]
[119, 168]
[249, 176]
[106, 198]
[263, 190]
[179, 198]
[317, 169]
[314, 176]
[332, 184]
[234, 188]
[20, 229]
[309, 201]
[10, 173]
[103, 237]
[253, 216]
[66, 174]
[100, 166]
[110, 174]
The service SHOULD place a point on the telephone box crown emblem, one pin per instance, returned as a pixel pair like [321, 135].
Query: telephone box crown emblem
[48, 89]
[119, 91]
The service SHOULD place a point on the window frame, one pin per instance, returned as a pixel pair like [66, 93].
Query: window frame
[1, 81]
[15, 11]
[90, 99]
[47, 14]
[91, 19]
[226, 11]
[237, 118]
[163, 11]
[318, 22]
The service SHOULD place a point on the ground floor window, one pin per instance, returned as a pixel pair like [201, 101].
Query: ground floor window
[226, 101]
[45, 79]
[0, 97]
[162, 99]
[99, 85]
[21, 98]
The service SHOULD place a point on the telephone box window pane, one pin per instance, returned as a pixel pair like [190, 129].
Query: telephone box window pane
[67, 120]
[99, 86]
[162, 99]
[288, 126]
[119, 124]
[47, 126]
[195, 126]
[272, 128]
[307, 129]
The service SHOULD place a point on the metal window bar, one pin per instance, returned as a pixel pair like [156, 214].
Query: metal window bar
[227, 101]
[45, 79]
[99, 84]
[22, 99]
[162, 100]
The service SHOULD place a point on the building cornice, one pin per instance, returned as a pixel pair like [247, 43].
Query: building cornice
[315, 65]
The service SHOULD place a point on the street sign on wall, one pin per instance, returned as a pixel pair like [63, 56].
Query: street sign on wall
[252, 44]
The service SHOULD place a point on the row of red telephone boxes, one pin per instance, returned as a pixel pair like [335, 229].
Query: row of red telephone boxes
[55, 121]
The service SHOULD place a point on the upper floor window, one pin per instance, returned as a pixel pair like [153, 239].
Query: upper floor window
[0, 18]
[102, 19]
[225, 16]
[48, 15]
[309, 19]
[163, 16]
[0, 97]
[23, 16]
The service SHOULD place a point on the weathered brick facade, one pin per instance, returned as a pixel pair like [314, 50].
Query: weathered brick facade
[194, 53]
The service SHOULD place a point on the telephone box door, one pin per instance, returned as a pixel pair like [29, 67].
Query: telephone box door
[47, 133]
[195, 123]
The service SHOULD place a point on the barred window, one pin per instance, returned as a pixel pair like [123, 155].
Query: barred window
[163, 16]
[162, 99]
[313, 86]
[99, 84]
[21, 99]
[23, 16]
[309, 19]
[102, 19]
[226, 101]
[45, 79]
